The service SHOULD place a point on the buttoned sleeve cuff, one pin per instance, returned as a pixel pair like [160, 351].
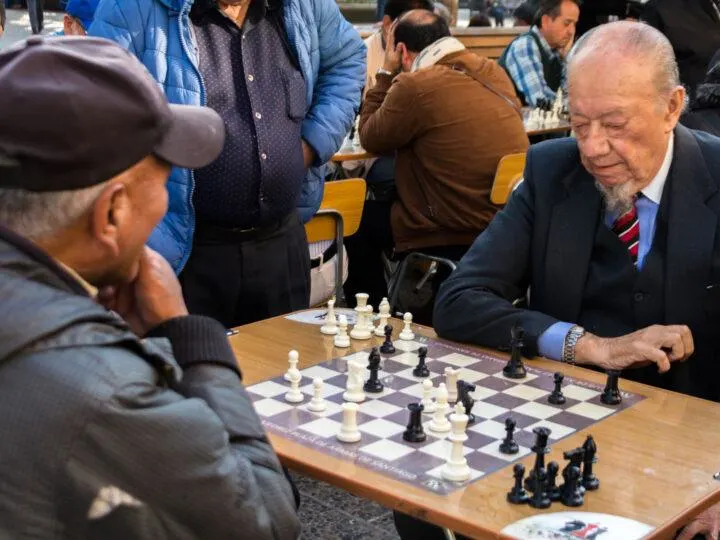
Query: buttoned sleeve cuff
[552, 340]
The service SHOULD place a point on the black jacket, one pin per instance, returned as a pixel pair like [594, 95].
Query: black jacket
[543, 240]
[693, 28]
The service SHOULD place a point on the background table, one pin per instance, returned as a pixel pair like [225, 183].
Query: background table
[354, 153]
[656, 459]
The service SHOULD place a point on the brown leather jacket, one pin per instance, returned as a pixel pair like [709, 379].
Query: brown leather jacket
[449, 133]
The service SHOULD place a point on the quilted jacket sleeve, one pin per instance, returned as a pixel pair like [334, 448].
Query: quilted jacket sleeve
[112, 21]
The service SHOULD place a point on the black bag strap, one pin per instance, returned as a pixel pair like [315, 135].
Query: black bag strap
[489, 87]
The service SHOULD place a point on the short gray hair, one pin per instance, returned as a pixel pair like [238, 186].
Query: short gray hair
[39, 215]
[634, 40]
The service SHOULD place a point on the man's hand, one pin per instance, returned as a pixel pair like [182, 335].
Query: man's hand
[153, 298]
[707, 523]
[308, 154]
[655, 344]
[393, 56]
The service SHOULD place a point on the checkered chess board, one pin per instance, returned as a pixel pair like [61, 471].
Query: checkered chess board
[382, 418]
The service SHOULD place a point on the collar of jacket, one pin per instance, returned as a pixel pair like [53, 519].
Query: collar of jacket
[200, 7]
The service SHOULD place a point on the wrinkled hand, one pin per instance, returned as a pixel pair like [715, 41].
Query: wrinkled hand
[655, 344]
[393, 57]
[707, 523]
[153, 298]
[308, 154]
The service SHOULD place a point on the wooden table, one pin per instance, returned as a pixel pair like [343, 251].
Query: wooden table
[656, 459]
[351, 154]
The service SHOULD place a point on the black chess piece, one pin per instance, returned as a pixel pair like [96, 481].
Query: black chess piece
[557, 397]
[589, 480]
[611, 394]
[571, 494]
[421, 370]
[373, 384]
[551, 488]
[464, 397]
[508, 445]
[542, 434]
[387, 347]
[414, 431]
[575, 458]
[517, 495]
[540, 498]
[515, 369]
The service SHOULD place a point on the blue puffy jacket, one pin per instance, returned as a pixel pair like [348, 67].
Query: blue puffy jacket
[329, 51]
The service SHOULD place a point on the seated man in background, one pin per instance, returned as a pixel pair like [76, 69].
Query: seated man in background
[79, 16]
[137, 416]
[450, 115]
[704, 113]
[535, 60]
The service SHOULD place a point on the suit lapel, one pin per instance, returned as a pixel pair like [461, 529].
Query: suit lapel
[691, 231]
[571, 237]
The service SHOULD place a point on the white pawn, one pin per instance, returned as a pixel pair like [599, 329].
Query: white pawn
[407, 333]
[384, 312]
[355, 381]
[330, 327]
[427, 402]
[349, 432]
[342, 339]
[293, 358]
[439, 422]
[451, 379]
[369, 325]
[294, 395]
[317, 403]
[456, 468]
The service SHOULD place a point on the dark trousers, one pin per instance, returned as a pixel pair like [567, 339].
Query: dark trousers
[410, 528]
[241, 277]
[35, 10]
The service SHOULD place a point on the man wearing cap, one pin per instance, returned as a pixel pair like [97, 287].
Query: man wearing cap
[286, 77]
[79, 16]
[128, 420]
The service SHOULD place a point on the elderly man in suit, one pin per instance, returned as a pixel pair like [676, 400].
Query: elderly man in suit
[614, 234]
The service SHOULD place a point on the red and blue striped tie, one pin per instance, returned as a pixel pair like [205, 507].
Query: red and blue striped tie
[627, 227]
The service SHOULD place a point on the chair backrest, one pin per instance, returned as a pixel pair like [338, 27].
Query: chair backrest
[508, 175]
[343, 197]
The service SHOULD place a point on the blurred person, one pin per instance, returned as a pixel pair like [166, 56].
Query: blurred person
[479, 20]
[704, 113]
[79, 16]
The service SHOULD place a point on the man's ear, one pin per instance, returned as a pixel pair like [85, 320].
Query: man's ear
[676, 103]
[110, 215]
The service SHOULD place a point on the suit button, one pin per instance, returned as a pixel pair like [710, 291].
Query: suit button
[639, 297]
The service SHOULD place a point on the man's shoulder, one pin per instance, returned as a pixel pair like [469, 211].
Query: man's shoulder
[709, 146]
[552, 161]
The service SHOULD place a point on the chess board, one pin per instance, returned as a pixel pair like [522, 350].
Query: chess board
[382, 418]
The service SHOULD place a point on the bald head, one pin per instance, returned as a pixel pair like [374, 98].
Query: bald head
[419, 28]
[629, 46]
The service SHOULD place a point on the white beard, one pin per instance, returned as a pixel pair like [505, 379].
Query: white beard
[618, 199]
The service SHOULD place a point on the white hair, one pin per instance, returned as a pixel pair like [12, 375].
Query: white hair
[639, 44]
[38, 215]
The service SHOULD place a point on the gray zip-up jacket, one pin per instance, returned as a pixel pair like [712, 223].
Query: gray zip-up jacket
[106, 436]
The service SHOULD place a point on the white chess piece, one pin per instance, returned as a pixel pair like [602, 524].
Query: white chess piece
[361, 300]
[293, 358]
[456, 468]
[354, 388]
[294, 395]
[342, 339]
[363, 326]
[349, 432]
[369, 314]
[427, 402]
[407, 333]
[439, 422]
[451, 379]
[330, 327]
[384, 312]
[317, 403]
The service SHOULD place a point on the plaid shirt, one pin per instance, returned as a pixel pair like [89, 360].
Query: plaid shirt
[524, 64]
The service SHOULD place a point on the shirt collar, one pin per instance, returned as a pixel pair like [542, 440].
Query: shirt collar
[654, 189]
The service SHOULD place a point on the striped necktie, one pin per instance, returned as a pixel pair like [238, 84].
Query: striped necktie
[627, 227]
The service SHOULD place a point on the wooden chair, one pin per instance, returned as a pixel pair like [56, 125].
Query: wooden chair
[508, 175]
[338, 217]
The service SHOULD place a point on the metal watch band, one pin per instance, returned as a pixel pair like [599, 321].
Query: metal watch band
[383, 71]
[571, 339]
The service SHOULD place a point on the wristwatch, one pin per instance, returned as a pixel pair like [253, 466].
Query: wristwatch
[571, 339]
[383, 71]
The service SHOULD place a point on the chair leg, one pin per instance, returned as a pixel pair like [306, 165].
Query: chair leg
[430, 273]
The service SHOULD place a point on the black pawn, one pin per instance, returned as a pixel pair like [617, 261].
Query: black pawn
[421, 370]
[414, 431]
[552, 489]
[542, 434]
[387, 347]
[611, 394]
[589, 480]
[373, 384]
[557, 397]
[539, 498]
[571, 494]
[515, 369]
[508, 445]
[464, 397]
[518, 495]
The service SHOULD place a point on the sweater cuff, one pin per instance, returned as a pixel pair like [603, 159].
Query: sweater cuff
[196, 340]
